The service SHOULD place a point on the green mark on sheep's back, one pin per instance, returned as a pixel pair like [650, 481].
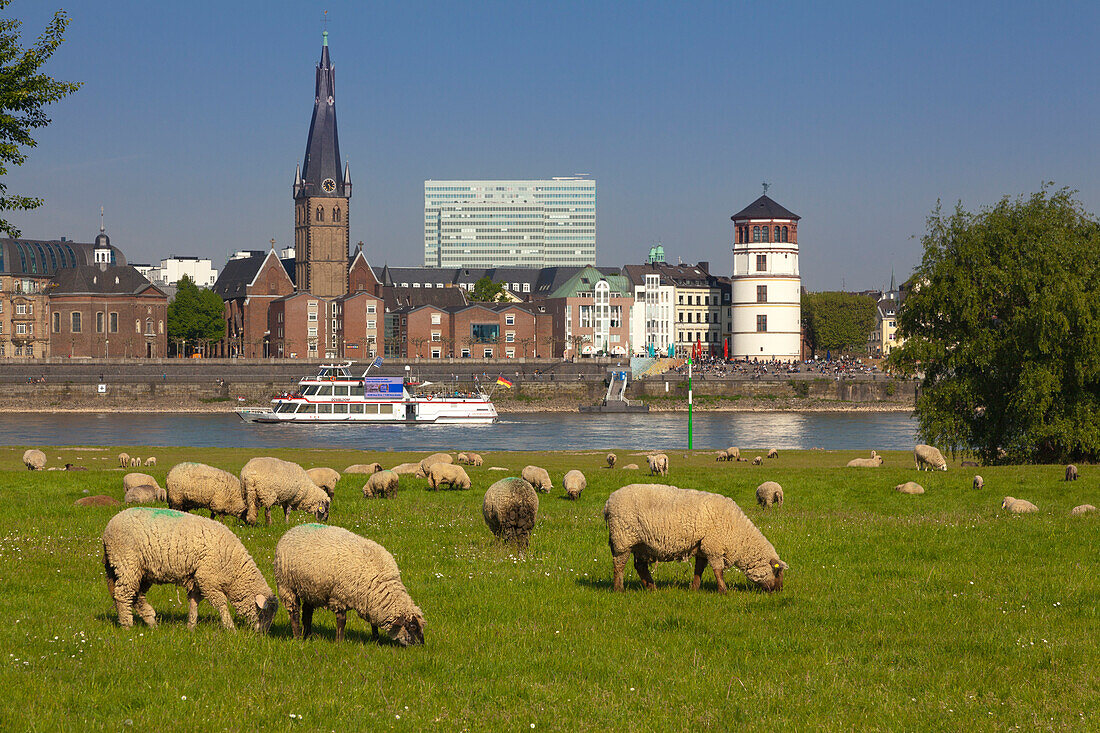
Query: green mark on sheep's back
[159, 512]
[312, 526]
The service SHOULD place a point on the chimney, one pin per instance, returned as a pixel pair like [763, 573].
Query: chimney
[704, 265]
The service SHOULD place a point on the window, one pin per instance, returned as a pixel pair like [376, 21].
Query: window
[312, 331]
[465, 353]
[698, 300]
[761, 293]
[312, 317]
[761, 263]
[56, 322]
[764, 234]
[437, 318]
[99, 322]
[437, 336]
[510, 337]
[137, 326]
[681, 300]
[20, 328]
[75, 321]
[510, 353]
[370, 309]
[371, 324]
[320, 213]
[784, 234]
[148, 326]
[21, 309]
[756, 234]
[761, 323]
[616, 316]
[485, 332]
[776, 239]
[336, 213]
[527, 287]
[510, 319]
[488, 353]
[112, 323]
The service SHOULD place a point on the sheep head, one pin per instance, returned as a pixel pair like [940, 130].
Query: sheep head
[768, 576]
[266, 606]
[408, 630]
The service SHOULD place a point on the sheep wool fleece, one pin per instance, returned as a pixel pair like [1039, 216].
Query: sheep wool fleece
[145, 546]
[198, 486]
[271, 481]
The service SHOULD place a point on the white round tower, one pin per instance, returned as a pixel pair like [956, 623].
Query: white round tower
[767, 289]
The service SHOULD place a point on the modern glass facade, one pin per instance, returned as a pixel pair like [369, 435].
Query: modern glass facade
[510, 223]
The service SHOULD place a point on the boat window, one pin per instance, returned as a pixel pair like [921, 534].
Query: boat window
[356, 409]
[385, 409]
[324, 409]
[306, 409]
[371, 409]
[341, 390]
[310, 390]
[285, 407]
[342, 408]
[325, 391]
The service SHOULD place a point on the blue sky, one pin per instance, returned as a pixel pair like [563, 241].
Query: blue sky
[861, 115]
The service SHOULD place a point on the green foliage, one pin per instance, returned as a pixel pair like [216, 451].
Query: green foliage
[941, 601]
[23, 94]
[487, 291]
[1004, 324]
[800, 387]
[837, 321]
[195, 315]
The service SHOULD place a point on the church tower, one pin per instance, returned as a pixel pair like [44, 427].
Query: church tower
[322, 194]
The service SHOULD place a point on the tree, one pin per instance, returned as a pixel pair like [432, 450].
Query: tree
[1003, 323]
[837, 321]
[23, 94]
[487, 291]
[195, 315]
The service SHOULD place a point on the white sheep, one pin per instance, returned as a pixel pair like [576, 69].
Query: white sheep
[124, 460]
[408, 469]
[268, 482]
[1018, 506]
[537, 477]
[909, 487]
[134, 461]
[1071, 472]
[131, 482]
[151, 461]
[448, 474]
[34, 460]
[722, 456]
[733, 454]
[462, 458]
[1082, 509]
[658, 523]
[769, 493]
[758, 460]
[143, 546]
[382, 484]
[574, 483]
[142, 494]
[927, 455]
[873, 462]
[979, 482]
[475, 459]
[367, 468]
[611, 458]
[318, 566]
[326, 478]
[510, 508]
[630, 467]
[427, 463]
[773, 453]
[198, 486]
[658, 464]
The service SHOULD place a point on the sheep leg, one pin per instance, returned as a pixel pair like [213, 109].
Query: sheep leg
[374, 632]
[307, 620]
[124, 591]
[148, 615]
[267, 515]
[719, 573]
[700, 566]
[619, 566]
[286, 513]
[341, 619]
[220, 602]
[643, 572]
[212, 514]
[193, 598]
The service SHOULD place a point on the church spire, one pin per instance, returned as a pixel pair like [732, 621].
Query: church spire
[321, 169]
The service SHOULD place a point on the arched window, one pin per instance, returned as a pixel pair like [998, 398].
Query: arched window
[784, 234]
[776, 234]
[148, 326]
[764, 231]
[756, 234]
[336, 213]
[320, 213]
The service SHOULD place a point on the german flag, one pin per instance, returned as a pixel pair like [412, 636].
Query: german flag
[503, 382]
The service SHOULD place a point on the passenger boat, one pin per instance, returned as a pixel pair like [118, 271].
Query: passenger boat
[335, 395]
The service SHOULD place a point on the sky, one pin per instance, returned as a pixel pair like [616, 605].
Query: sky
[860, 116]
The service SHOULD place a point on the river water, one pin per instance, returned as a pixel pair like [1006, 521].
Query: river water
[527, 431]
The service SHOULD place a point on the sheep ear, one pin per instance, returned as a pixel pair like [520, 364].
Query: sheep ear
[261, 600]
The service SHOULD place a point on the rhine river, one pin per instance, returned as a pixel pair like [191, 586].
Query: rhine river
[527, 431]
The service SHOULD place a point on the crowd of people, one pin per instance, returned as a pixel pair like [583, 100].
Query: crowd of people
[708, 367]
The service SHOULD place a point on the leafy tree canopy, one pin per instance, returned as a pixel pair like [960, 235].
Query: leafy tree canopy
[487, 291]
[837, 321]
[23, 93]
[1003, 322]
[196, 314]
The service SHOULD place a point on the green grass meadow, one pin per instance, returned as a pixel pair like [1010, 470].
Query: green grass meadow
[933, 612]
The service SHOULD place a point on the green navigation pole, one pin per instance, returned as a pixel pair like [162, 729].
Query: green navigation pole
[689, 403]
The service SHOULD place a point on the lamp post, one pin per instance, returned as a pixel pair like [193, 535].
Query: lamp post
[689, 404]
[107, 349]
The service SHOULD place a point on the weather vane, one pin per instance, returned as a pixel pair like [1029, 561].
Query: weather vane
[766, 186]
[324, 20]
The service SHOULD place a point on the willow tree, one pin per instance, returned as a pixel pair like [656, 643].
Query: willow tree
[1003, 324]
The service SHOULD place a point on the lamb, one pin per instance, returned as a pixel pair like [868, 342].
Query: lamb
[497, 468]
[367, 468]
[537, 477]
[769, 493]
[382, 484]
[449, 474]
[510, 508]
[270, 481]
[979, 482]
[773, 453]
[330, 567]
[123, 460]
[733, 454]
[757, 461]
[427, 463]
[909, 487]
[475, 459]
[1071, 472]
[1082, 509]
[574, 483]
[660, 523]
[135, 462]
[611, 458]
[151, 461]
[722, 456]
[198, 486]
[462, 458]
[926, 455]
[143, 494]
[630, 467]
[326, 478]
[1018, 506]
[143, 546]
[658, 464]
[873, 462]
[34, 460]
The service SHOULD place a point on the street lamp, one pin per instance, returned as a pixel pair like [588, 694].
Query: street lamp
[107, 349]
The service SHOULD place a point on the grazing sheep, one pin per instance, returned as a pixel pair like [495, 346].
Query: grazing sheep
[143, 546]
[132, 481]
[969, 464]
[462, 458]
[733, 454]
[537, 477]
[660, 523]
[317, 566]
[722, 456]
[382, 484]
[1018, 506]
[426, 464]
[143, 494]
[34, 460]
[151, 461]
[574, 483]
[873, 462]
[909, 487]
[270, 481]
[611, 458]
[449, 474]
[475, 459]
[135, 462]
[926, 455]
[658, 464]
[326, 478]
[1071, 472]
[759, 460]
[1082, 509]
[630, 467]
[773, 453]
[97, 500]
[510, 508]
[198, 486]
[367, 468]
[769, 493]
[979, 482]
[124, 460]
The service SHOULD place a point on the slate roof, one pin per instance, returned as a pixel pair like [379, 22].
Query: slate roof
[322, 158]
[682, 275]
[234, 278]
[97, 280]
[765, 208]
[398, 297]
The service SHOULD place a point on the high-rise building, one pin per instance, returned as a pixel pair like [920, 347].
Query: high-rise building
[510, 223]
